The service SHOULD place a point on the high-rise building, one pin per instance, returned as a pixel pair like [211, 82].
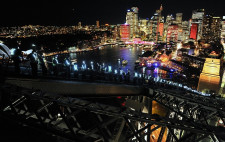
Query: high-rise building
[132, 20]
[172, 33]
[215, 28]
[179, 18]
[144, 28]
[223, 27]
[185, 31]
[125, 32]
[150, 26]
[161, 27]
[156, 20]
[97, 24]
[129, 21]
[135, 21]
[169, 19]
[206, 31]
[197, 18]
[194, 31]
[179, 23]
[79, 25]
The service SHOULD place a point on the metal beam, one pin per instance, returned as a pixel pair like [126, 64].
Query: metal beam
[161, 134]
[172, 132]
[133, 130]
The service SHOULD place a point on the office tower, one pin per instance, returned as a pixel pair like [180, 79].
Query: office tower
[215, 28]
[125, 32]
[144, 28]
[223, 27]
[129, 21]
[179, 18]
[172, 33]
[206, 31]
[97, 24]
[178, 21]
[161, 27]
[79, 25]
[169, 21]
[194, 31]
[185, 31]
[197, 19]
[132, 20]
[156, 20]
[135, 21]
[150, 26]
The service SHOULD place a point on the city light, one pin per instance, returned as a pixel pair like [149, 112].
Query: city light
[115, 71]
[109, 68]
[166, 62]
[67, 63]
[135, 74]
[155, 64]
[75, 67]
[12, 51]
[121, 72]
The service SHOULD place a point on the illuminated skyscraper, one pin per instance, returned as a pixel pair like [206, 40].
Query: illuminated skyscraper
[132, 20]
[197, 18]
[97, 24]
[129, 21]
[156, 19]
[185, 31]
[206, 31]
[179, 23]
[172, 33]
[223, 27]
[215, 28]
[179, 18]
[194, 31]
[125, 32]
[135, 20]
[79, 25]
[144, 28]
[169, 21]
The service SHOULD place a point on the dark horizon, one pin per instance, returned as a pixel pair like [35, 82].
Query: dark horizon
[67, 13]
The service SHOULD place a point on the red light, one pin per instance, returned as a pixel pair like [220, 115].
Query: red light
[194, 31]
[123, 104]
[119, 97]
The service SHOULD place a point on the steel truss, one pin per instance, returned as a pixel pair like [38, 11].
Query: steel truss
[203, 113]
[84, 120]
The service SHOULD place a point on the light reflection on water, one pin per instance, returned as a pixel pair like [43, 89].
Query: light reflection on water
[109, 56]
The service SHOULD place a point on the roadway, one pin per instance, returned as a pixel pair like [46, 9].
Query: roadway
[75, 88]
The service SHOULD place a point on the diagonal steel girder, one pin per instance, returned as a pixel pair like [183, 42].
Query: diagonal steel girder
[113, 111]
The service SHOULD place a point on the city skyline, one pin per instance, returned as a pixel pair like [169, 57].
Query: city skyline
[88, 12]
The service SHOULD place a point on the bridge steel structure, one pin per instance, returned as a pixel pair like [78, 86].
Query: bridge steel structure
[189, 116]
[74, 115]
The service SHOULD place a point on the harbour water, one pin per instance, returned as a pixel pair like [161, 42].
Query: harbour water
[111, 57]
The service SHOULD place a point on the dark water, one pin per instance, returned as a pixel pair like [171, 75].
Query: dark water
[108, 56]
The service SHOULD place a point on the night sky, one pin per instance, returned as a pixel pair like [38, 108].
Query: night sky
[65, 12]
